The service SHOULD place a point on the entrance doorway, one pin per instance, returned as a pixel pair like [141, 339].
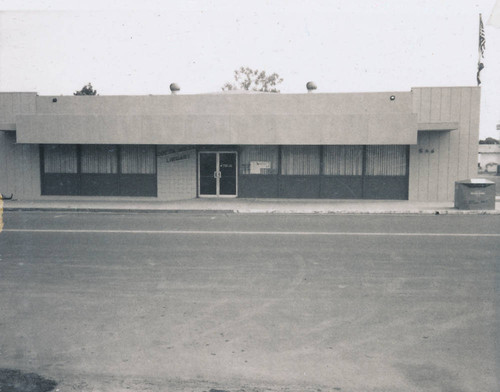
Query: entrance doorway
[217, 174]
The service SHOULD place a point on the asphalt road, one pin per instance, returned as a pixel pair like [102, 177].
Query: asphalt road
[282, 302]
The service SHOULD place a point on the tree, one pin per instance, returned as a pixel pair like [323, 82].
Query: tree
[489, 140]
[86, 90]
[246, 78]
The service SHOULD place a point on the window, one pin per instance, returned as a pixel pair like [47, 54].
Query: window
[259, 160]
[386, 160]
[138, 160]
[300, 160]
[99, 159]
[343, 160]
[60, 158]
[98, 170]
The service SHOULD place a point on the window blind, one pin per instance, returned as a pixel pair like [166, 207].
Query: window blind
[264, 158]
[386, 160]
[343, 160]
[138, 159]
[60, 158]
[102, 159]
[300, 160]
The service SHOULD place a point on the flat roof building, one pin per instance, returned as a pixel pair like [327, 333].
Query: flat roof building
[388, 145]
[489, 157]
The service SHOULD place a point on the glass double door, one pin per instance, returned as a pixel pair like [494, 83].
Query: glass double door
[217, 174]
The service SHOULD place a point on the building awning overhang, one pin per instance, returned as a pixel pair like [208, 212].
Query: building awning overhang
[292, 129]
[438, 126]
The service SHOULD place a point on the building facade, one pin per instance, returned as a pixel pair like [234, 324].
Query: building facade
[390, 145]
[489, 158]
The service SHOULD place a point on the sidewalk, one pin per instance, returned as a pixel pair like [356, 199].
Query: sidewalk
[243, 206]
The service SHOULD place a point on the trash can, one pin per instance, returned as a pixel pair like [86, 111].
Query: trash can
[475, 194]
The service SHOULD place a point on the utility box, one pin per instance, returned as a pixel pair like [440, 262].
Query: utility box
[475, 194]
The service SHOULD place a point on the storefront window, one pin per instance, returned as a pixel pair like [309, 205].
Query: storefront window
[343, 160]
[60, 158]
[137, 159]
[98, 170]
[259, 160]
[300, 160]
[386, 160]
[101, 159]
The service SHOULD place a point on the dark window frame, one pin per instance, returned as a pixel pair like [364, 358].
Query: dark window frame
[71, 184]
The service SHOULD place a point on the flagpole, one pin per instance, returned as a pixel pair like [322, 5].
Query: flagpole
[480, 49]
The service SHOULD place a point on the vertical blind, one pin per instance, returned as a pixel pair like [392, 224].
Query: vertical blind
[343, 160]
[138, 159]
[250, 154]
[300, 160]
[101, 159]
[386, 160]
[60, 158]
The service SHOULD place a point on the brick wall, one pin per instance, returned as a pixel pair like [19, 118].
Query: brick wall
[176, 173]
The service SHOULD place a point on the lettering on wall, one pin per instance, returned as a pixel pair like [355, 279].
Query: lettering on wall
[168, 156]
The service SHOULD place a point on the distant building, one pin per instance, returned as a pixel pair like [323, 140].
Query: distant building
[387, 145]
[489, 157]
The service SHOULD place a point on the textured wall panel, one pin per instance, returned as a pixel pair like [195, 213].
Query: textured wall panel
[442, 157]
[176, 174]
[19, 168]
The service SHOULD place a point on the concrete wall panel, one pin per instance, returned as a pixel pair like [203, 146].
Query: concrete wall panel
[456, 99]
[432, 152]
[19, 168]
[229, 103]
[176, 173]
[445, 115]
[473, 141]
[424, 108]
[463, 148]
[443, 152]
[13, 104]
[436, 103]
[432, 175]
[219, 129]
[265, 118]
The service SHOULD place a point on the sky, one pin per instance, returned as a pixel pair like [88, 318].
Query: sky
[140, 47]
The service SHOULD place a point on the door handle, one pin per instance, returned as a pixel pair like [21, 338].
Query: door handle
[219, 174]
[216, 175]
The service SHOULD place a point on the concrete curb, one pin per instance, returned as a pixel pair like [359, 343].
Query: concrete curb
[254, 211]
[112, 210]
[360, 212]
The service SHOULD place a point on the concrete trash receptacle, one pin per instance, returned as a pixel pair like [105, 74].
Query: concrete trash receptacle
[475, 194]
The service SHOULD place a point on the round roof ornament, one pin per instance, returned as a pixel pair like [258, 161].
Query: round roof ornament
[311, 86]
[174, 87]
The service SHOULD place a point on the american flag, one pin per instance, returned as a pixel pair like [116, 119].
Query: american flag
[482, 39]
[482, 46]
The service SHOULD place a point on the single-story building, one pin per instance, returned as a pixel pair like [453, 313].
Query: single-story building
[488, 157]
[386, 145]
